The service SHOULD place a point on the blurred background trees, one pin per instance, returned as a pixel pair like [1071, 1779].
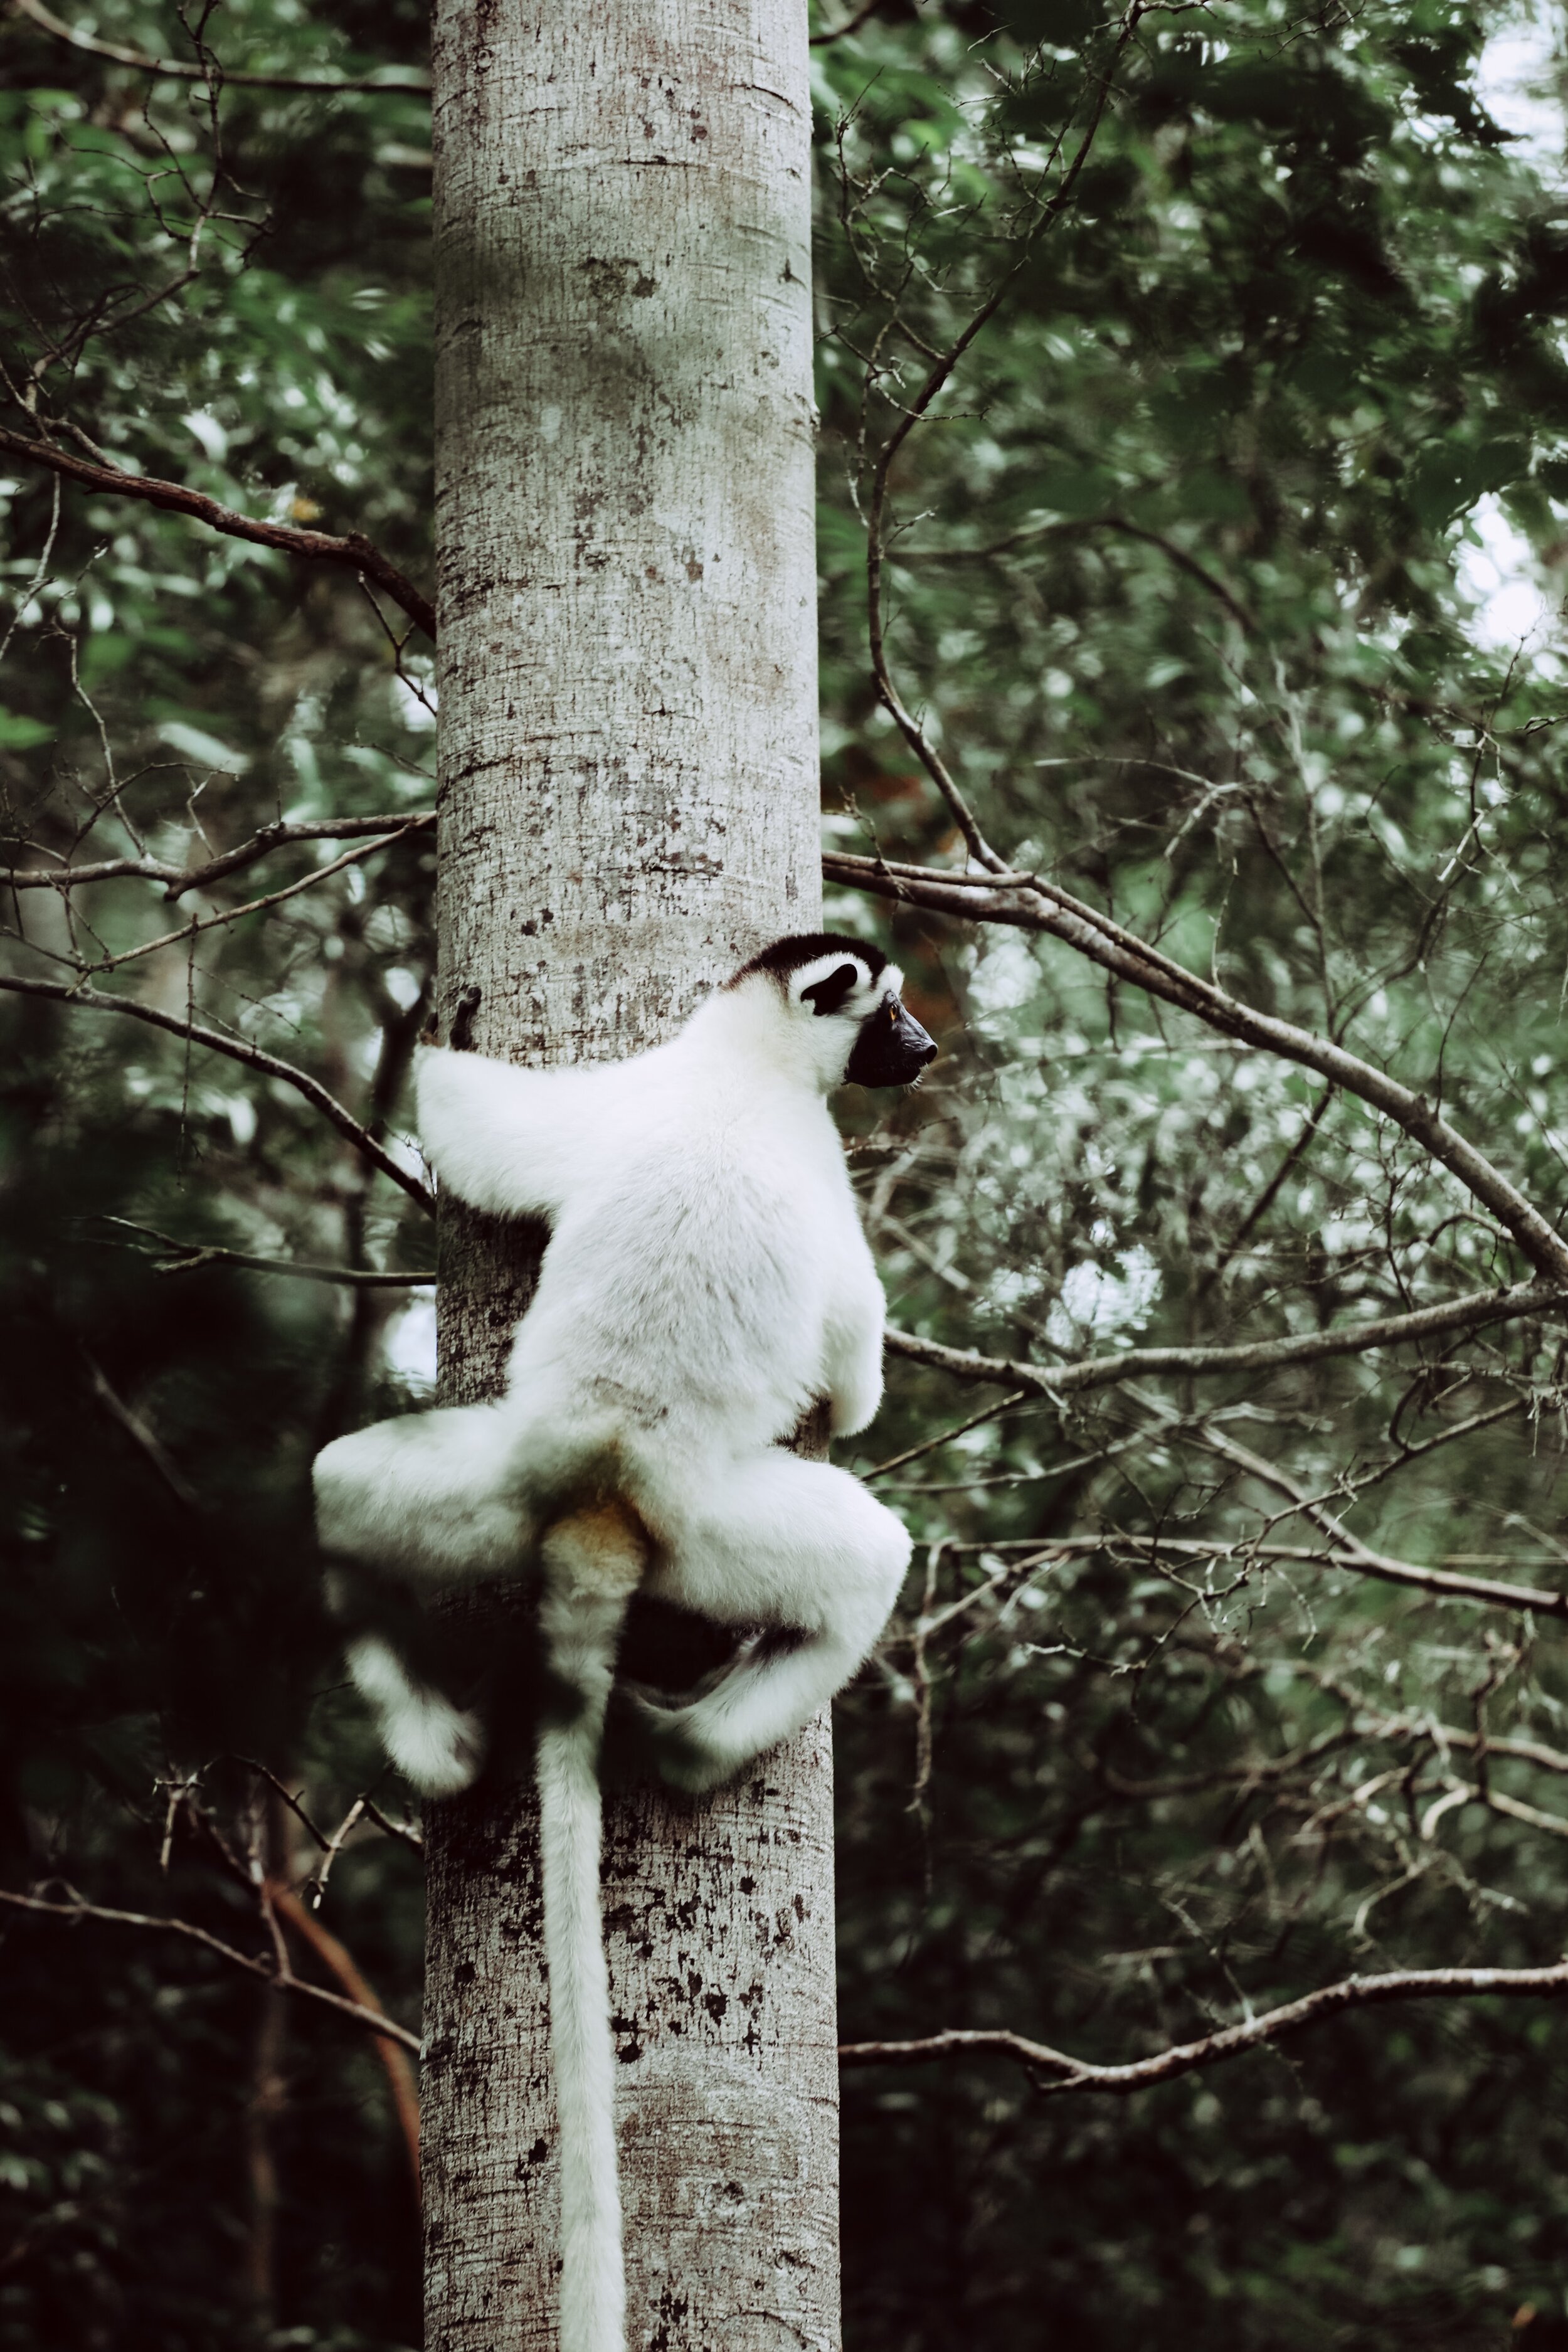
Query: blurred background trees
[1220, 578]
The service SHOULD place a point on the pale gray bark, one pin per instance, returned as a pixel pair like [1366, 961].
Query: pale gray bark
[628, 763]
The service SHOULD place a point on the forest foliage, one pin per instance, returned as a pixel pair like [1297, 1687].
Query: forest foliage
[1220, 577]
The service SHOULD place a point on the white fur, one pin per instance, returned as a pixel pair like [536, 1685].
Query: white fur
[706, 1281]
[589, 1573]
[424, 1735]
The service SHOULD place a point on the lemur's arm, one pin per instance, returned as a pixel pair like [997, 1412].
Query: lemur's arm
[513, 1141]
[853, 1349]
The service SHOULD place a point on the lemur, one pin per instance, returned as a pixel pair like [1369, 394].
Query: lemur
[706, 1281]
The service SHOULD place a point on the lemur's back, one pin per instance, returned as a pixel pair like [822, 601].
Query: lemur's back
[689, 1281]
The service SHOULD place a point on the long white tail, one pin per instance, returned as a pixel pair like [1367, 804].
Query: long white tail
[592, 1563]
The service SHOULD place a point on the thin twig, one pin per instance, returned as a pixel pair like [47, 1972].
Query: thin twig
[190, 1257]
[223, 916]
[177, 69]
[1351, 1553]
[150, 1445]
[867, 10]
[73, 1912]
[1078, 527]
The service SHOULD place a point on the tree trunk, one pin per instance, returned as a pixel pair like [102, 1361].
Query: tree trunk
[629, 796]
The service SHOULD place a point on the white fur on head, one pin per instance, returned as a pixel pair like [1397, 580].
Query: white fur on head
[809, 1013]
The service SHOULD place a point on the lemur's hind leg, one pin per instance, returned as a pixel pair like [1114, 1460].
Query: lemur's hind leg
[405, 1508]
[439, 1744]
[801, 1550]
[430, 1498]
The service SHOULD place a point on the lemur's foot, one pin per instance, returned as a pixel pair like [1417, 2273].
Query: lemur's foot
[440, 1745]
[667, 1737]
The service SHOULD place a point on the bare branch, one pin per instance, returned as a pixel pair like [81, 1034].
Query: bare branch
[1042, 907]
[176, 69]
[178, 879]
[1254, 1355]
[376, 2019]
[1342, 1550]
[238, 1049]
[1053, 2070]
[352, 550]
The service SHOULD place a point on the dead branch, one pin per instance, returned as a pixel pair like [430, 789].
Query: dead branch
[237, 1049]
[73, 1912]
[352, 550]
[1052, 2071]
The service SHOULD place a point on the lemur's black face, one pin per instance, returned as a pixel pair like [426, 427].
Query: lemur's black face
[892, 1048]
[847, 993]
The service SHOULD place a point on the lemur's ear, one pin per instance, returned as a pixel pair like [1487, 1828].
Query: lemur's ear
[828, 994]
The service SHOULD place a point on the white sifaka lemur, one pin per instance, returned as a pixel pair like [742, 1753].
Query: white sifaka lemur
[706, 1282]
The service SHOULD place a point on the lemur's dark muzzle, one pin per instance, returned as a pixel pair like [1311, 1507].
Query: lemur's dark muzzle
[892, 1050]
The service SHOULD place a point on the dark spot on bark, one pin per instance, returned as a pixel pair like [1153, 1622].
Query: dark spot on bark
[800, 1906]
[464, 1973]
[536, 2154]
[716, 2004]
[669, 2323]
[748, 1884]
[732, 2189]
[613, 281]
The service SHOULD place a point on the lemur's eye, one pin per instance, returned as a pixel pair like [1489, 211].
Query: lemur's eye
[892, 1008]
